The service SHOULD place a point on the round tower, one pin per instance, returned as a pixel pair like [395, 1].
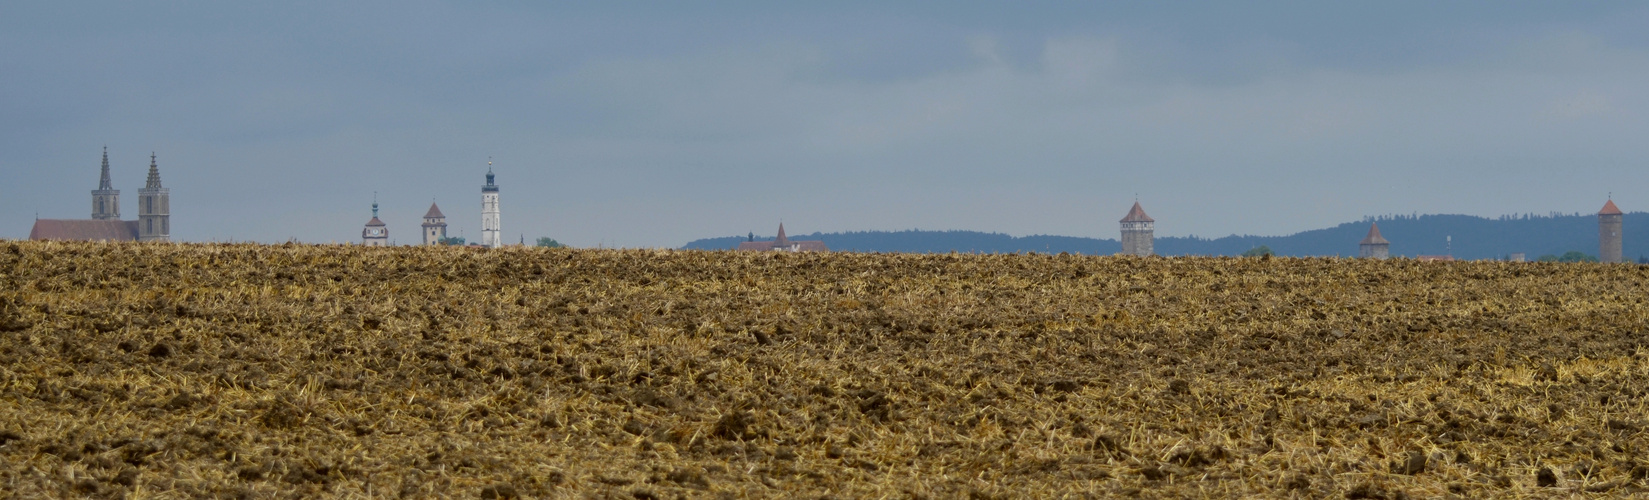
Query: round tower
[1608, 233]
[1138, 231]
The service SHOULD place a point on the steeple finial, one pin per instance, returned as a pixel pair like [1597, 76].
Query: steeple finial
[104, 183]
[374, 204]
[154, 173]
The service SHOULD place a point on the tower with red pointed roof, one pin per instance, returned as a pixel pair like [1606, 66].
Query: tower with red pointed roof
[435, 225]
[375, 234]
[1608, 233]
[1138, 231]
[1374, 246]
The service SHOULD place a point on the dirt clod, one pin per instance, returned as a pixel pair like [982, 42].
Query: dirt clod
[499, 492]
[1415, 464]
[1545, 477]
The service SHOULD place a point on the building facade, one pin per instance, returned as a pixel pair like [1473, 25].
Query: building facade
[491, 226]
[1374, 246]
[435, 225]
[1138, 232]
[154, 214]
[376, 233]
[1608, 233]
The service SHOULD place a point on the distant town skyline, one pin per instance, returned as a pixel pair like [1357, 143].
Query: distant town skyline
[623, 126]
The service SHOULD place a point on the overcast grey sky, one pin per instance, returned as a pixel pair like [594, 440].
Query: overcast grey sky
[655, 123]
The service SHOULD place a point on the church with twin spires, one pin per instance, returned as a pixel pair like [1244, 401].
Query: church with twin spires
[154, 214]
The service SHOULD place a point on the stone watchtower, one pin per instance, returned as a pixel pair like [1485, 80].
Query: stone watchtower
[435, 225]
[1374, 246]
[491, 227]
[154, 212]
[1137, 232]
[105, 199]
[1608, 233]
[375, 234]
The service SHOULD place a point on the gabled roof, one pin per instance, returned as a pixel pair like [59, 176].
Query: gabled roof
[374, 222]
[1374, 237]
[1137, 214]
[434, 212]
[84, 230]
[1609, 208]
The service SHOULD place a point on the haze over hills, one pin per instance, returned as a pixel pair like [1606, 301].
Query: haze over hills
[1473, 238]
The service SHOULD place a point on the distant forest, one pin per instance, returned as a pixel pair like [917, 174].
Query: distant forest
[1473, 238]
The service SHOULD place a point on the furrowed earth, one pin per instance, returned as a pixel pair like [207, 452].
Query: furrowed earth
[201, 370]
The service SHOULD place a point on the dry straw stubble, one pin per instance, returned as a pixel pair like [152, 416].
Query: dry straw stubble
[264, 371]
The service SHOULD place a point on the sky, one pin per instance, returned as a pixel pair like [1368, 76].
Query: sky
[650, 124]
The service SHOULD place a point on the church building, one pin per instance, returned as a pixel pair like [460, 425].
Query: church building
[153, 214]
[783, 244]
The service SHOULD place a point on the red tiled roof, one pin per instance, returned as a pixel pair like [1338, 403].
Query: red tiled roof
[1137, 214]
[84, 230]
[1374, 237]
[375, 222]
[764, 246]
[434, 212]
[1609, 208]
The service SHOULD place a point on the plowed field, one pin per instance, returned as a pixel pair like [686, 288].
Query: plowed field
[274, 371]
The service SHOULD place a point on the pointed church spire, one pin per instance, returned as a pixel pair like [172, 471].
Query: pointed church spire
[154, 174]
[104, 184]
[781, 239]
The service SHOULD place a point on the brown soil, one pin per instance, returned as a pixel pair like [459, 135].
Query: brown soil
[276, 371]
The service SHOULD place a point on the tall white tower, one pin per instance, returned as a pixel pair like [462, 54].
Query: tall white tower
[491, 229]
